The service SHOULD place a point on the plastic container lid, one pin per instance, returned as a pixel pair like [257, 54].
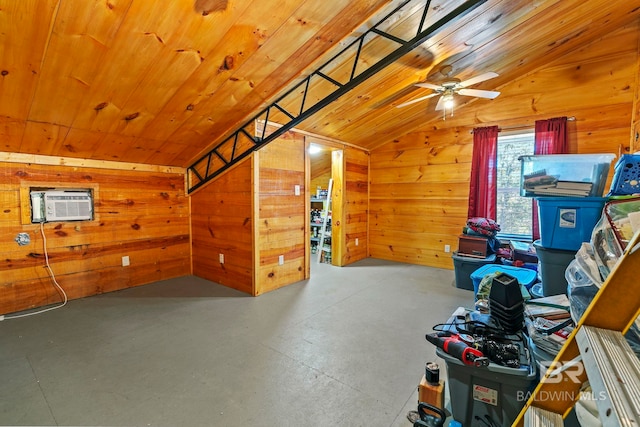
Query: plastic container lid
[525, 276]
[576, 276]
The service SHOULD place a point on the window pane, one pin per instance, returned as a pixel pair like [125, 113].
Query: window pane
[513, 211]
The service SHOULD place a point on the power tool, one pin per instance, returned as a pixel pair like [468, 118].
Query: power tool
[452, 345]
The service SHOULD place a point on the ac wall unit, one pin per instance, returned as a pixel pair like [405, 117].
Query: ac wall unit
[67, 205]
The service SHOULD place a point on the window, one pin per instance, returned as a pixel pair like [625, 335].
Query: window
[513, 212]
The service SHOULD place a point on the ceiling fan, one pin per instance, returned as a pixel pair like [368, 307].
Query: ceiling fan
[453, 86]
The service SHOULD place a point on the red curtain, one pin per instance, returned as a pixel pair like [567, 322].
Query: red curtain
[482, 189]
[550, 138]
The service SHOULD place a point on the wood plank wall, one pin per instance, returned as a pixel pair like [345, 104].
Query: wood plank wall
[222, 223]
[252, 215]
[353, 172]
[320, 170]
[355, 206]
[419, 183]
[143, 215]
[280, 214]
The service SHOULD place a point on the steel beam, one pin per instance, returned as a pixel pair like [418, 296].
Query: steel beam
[195, 176]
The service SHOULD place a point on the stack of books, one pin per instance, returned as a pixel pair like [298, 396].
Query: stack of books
[563, 188]
[540, 184]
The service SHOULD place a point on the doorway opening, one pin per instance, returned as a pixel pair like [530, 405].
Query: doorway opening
[324, 183]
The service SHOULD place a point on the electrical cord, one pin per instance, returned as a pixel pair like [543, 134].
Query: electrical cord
[478, 328]
[53, 278]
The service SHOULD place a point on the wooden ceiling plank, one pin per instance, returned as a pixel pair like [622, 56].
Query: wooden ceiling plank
[192, 51]
[43, 138]
[239, 43]
[527, 45]
[307, 46]
[542, 88]
[234, 91]
[24, 39]
[448, 45]
[11, 131]
[81, 36]
[137, 45]
[159, 48]
[82, 143]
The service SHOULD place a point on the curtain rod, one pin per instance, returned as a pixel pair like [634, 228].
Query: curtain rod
[518, 127]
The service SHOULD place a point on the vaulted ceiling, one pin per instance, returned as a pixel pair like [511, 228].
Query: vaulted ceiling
[161, 82]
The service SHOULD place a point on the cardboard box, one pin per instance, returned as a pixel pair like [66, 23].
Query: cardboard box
[473, 246]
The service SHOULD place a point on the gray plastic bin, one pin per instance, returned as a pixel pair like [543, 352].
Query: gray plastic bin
[465, 265]
[497, 391]
[553, 264]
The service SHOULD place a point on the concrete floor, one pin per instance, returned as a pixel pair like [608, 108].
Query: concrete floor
[345, 348]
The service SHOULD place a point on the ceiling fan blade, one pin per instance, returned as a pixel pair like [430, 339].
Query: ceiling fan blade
[478, 79]
[440, 104]
[429, 86]
[413, 101]
[490, 94]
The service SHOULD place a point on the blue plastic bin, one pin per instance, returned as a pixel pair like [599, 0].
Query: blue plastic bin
[525, 276]
[566, 222]
[626, 178]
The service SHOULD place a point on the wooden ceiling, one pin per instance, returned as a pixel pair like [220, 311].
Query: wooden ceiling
[160, 83]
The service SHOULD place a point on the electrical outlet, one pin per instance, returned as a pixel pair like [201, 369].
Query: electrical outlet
[221, 257]
[281, 260]
[447, 248]
[125, 261]
[296, 190]
[357, 242]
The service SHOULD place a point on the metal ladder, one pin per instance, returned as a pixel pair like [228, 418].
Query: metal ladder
[323, 229]
[597, 351]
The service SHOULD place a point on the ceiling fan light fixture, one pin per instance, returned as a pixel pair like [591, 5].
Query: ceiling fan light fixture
[447, 104]
[448, 101]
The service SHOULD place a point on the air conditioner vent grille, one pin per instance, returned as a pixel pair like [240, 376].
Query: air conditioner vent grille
[68, 205]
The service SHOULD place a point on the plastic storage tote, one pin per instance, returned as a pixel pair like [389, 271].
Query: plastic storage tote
[525, 276]
[553, 265]
[497, 391]
[465, 265]
[583, 175]
[566, 222]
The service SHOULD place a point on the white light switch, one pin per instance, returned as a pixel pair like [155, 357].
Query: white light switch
[296, 190]
[221, 257]
[281, 260]
[125, 260]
